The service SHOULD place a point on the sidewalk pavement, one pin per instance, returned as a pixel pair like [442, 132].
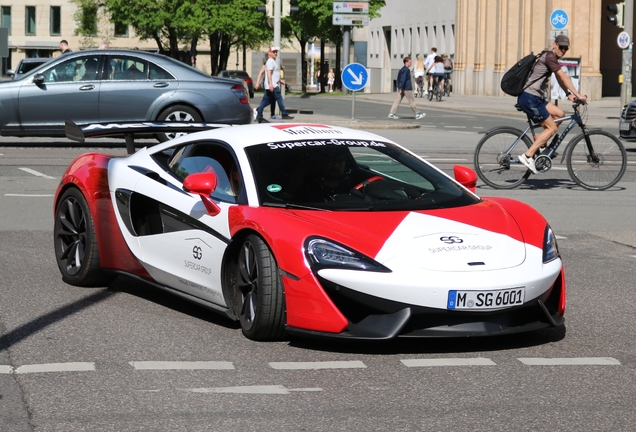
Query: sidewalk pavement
[601, 113]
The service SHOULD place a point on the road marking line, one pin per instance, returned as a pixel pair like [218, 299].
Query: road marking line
[558, 237]
[445, 160]
[29, 195]
[264, 389]
[56, 367]
[182, 365]
[36, 173]
[317, 365]
[478, 361]
[455, 127]
[5, 369]
[577, 361]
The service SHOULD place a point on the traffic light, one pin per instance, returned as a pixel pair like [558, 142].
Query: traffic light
[288, 8]
[616, 19]
[268, 9]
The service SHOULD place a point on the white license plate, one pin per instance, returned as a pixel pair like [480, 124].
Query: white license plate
[481, 300]
[624, 126]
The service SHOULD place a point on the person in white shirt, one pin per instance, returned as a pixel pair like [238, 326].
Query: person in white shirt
[427, 64]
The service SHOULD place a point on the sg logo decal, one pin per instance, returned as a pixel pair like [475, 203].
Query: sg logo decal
[197, 252]
[451, 239]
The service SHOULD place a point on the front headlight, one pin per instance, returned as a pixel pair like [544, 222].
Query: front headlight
[550, 248]
[323, 253]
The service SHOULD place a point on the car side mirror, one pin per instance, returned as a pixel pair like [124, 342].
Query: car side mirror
[466, 177]
[10, 72]
[38, 79]
[203, 184]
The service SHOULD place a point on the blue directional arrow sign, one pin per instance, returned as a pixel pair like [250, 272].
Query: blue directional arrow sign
[355, 76]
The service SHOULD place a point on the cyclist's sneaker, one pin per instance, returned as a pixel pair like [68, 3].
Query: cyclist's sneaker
[420, 116]
[528, 162]
[393, 116]
[425, 92]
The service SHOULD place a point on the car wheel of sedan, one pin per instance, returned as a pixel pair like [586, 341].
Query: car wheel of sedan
[177, 113]
[76, 250]
[259, 298]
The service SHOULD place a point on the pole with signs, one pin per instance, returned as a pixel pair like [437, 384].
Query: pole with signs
[354, 77]
[349, 14]
[625, 41]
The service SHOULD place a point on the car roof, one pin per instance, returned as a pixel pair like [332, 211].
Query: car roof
[244, 136]
[35, 60]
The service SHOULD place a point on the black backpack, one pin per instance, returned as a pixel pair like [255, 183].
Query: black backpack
[514, 81]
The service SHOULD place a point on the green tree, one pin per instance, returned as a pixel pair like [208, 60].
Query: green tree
[314, 20]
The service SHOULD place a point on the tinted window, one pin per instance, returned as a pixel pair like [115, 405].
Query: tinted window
[358, 175]
[77, 69]
[123, 68]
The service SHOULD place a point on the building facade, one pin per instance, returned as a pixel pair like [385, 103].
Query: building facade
[486, 37]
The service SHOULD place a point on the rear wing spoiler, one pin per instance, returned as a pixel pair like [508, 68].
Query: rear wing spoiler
[130, 129]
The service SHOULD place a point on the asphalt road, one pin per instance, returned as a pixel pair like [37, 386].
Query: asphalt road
[129, 358]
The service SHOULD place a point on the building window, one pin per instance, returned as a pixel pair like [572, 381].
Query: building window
[56, 21]
[6, 18]
[121, 30]
[29, 20]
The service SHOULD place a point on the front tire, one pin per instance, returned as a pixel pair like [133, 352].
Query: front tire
[496, 168]
[177, 113]
[602, 170]
[75, 242]
[259, 299]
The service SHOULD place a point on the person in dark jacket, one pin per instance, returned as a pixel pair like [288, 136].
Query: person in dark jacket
[405, 88]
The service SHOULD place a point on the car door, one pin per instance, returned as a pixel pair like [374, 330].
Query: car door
[69, 91]
[132, 86]
[184, 246]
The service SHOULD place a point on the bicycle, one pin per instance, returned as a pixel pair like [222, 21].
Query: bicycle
[596, 160]
[436, 92]
[447, 84]
[419, 87]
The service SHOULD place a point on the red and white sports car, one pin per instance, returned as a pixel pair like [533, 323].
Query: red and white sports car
[309, 230]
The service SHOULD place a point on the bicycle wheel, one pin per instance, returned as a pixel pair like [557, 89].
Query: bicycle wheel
[430, 95]
[496, 168]
[439, 93]
[602, 170]
[446, 88]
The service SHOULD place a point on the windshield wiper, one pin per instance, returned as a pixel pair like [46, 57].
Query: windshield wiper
[292, 206]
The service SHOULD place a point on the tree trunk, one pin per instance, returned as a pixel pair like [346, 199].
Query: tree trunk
[337, 84]
[214, 53]
[324, 68]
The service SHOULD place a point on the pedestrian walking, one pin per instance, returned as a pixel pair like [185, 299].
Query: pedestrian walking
[272, 87]
[64, 47]
[405, 88]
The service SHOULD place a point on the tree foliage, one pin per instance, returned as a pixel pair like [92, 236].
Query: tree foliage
[223, 23]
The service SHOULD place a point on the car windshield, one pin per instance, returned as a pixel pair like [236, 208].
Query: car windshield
[352, 175]
[29, 66]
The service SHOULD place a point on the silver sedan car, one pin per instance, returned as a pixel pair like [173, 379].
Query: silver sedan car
[117, 85]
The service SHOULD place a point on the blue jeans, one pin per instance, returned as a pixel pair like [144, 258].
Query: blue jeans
[279, 101]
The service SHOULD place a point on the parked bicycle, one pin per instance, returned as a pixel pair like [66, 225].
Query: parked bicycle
[436, 92]
[596, 160]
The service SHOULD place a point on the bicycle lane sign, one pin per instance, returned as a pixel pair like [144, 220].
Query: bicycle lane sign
[559, 19]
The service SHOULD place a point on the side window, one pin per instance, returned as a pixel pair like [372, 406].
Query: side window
[126, 69]
[78, 69]
[209, 157]
[157, 73]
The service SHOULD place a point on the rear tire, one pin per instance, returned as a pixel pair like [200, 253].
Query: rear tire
[496, 169]
[606, 170]
[177, 113]
[75, 242]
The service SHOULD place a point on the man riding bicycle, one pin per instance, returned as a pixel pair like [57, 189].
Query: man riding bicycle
[538, 109]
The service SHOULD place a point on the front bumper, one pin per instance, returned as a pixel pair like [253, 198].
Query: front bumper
[372, 318]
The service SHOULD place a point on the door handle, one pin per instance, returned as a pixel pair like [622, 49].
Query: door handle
[161, 85]
[87, 87]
